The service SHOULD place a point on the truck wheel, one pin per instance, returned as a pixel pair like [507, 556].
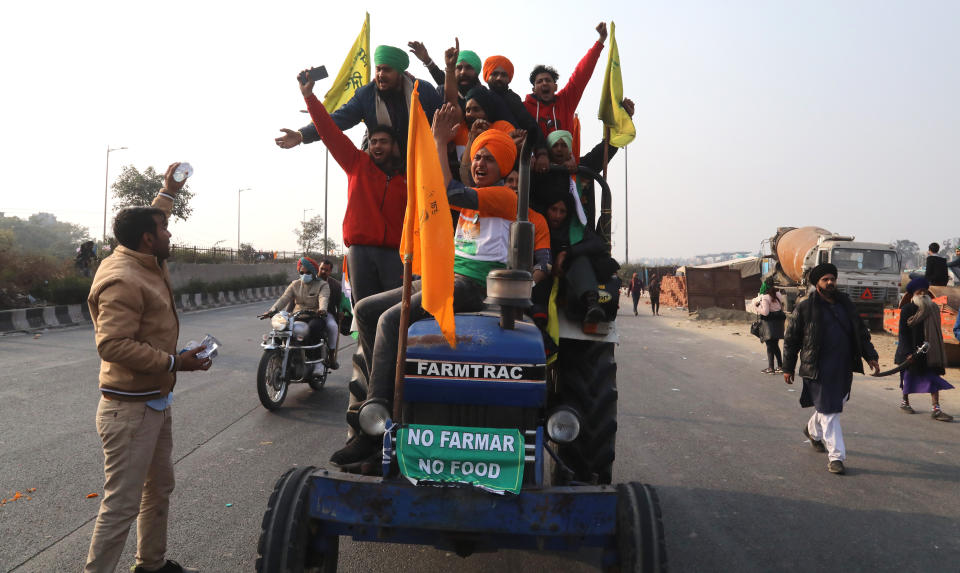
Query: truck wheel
[587, 380]
[287, 533]
[640, 542]
[271, 387]
[875, 324]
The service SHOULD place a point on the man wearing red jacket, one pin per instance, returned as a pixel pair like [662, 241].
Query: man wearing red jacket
[554, 109]
[376, 201]
[373, 222]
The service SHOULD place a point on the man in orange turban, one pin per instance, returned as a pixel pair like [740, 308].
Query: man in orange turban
[498, 72]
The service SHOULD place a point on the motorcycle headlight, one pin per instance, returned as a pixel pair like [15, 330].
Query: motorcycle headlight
[279, 321]
[300, 329]
[373, 417]
[563, 425]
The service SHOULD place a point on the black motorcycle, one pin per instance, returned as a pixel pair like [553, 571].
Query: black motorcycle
[286, 360]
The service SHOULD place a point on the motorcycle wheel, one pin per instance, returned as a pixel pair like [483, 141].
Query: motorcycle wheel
[271, 387]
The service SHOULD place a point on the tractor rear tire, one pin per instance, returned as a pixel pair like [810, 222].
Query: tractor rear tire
[587, 381]
[287, 532]
[640, 542]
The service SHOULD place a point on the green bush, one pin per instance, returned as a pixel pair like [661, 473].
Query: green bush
[66, 290]
[239, 283]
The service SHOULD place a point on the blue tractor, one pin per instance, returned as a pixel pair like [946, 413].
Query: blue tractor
[493, 449]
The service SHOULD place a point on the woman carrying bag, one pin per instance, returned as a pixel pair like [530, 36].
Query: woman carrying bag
[769, 305]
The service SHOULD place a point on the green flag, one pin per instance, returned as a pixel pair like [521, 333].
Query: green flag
[611, 112]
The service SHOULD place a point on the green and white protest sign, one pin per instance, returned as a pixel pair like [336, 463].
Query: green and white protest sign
[491, 458]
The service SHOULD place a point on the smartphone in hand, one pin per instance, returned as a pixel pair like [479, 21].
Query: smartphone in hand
[313, 74]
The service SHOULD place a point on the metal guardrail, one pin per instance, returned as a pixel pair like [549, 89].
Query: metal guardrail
[193, 254]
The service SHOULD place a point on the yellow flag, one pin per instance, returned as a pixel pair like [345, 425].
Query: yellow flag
[612, 113]
[427, 227]
[354, 72]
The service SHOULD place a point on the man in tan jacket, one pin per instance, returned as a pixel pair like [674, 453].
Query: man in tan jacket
[136, 326]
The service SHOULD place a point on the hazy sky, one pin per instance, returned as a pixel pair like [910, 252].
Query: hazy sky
[750, 115]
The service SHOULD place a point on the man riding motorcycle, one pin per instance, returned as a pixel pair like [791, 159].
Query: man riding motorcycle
[311, 294]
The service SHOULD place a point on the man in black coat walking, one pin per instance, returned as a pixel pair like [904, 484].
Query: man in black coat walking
[826, 332]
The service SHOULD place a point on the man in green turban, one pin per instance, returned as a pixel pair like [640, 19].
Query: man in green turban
[384, 101]
[466, 65]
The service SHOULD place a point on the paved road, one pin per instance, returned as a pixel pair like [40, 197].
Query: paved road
[741, 490]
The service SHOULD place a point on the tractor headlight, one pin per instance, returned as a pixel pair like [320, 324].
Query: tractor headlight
[563, 425]
[300, 329]
[373, 417]
[279, 320]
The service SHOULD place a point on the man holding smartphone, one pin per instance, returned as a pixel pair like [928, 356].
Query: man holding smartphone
[376, 204]
[136, 327]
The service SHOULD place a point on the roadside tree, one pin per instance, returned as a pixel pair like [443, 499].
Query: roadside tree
[909, 252]
[310, 234]
[136, 189]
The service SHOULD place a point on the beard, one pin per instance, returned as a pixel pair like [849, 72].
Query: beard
[921, 300]
[828, 292]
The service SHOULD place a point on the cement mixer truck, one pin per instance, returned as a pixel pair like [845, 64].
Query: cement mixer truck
[869, 273]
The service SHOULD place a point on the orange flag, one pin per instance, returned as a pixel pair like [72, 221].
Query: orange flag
[427, 227]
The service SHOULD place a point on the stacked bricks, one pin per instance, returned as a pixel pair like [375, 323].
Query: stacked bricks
[673, 291]
[948, 317]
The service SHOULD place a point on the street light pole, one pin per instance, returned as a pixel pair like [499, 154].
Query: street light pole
[239, 191]
[106, 181]
[326, 173]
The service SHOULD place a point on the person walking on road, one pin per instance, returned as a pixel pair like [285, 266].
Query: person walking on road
[772, 318]
[919, 323]
[635, 290]
[653, 289]
[826, 333]
[954, 266]
[136, 327]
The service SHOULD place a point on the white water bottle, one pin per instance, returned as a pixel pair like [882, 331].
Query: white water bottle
[182, 171]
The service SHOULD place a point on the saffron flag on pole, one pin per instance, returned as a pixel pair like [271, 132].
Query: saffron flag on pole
[611, 112]
[354, 73]
[427, 227]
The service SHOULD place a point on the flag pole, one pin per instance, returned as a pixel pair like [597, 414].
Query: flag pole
[326, 180]
[606, 149]
[404, 323]
[626, 206]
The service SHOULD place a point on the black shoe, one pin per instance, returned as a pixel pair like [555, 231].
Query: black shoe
[817, 444]
[168, 567]
[334, 365]
[357, 449]
[941, 416]
[836, 467]
[595, 312]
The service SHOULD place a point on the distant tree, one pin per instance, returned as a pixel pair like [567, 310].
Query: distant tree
[947, 246]
[247, 253]
[136, 189]
[309, 233]
[42, 234]
[909, 252]
[332, 247]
